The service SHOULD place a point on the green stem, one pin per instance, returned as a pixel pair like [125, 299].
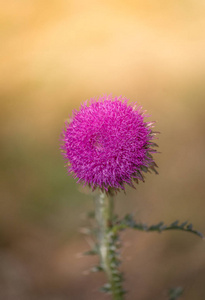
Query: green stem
[107, 245]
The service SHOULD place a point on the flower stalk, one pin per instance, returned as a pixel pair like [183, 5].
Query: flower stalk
[108, 244]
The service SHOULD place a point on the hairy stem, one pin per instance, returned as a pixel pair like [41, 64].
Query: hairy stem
[107, 245]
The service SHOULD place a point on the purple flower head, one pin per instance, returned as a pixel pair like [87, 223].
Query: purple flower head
[107, 144]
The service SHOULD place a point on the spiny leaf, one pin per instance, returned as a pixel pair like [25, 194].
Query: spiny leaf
[93, 251]
[156, 227]
[129, 222]
[183, 224]
[106, 288]
[175, 223]
[97, 269]
[190, 226]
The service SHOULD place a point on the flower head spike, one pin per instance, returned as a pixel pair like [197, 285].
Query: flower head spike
[108, 144]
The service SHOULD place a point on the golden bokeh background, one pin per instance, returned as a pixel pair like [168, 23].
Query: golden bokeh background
[56, 54]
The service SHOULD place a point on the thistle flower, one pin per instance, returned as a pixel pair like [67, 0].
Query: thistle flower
[108, 144]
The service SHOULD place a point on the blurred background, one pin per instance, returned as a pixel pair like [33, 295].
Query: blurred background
[56, 54]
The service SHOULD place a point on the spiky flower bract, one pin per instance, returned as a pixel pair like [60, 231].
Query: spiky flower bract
[108, 144]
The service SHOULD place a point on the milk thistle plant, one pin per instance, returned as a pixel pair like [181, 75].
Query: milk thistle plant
[107, 145]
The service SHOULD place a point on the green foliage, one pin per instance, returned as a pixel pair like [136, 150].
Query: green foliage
[129, 222]
[97, 269]
[114, 254]
[116, 278]
[93, 251]
[106, 288]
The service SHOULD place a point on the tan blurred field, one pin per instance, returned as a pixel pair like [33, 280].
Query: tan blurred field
[55, 55]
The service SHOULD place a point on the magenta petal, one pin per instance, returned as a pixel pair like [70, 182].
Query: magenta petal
[107, 143]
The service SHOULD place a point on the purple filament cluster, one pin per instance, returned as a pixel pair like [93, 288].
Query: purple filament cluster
[108, 144]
